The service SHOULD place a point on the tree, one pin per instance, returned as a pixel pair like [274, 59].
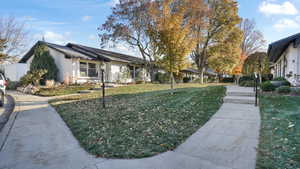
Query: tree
[129, 23]
[222, 17]
[223, 57]
[257, 62]
[170, 34]
[13, 38]
[253, 41]
[43, 61]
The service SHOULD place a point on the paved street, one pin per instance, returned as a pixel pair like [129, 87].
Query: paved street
[39, 139]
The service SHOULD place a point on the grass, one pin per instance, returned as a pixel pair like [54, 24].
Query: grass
[280, 133]
[140, 120]
[63, 90]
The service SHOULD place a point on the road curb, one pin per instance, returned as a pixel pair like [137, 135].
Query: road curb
[10, 114]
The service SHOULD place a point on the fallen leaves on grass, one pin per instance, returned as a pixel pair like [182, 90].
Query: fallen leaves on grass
[140, 124]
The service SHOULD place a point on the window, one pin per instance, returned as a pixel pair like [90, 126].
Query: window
[83, 69]
[92, 70]
[88, 69]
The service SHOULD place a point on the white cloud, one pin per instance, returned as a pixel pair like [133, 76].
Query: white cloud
[86, 18]
[54, 37]
[113, 2]
[29, 18]
[286, 24]
[92, 37]
[286, 8]
[124, 48]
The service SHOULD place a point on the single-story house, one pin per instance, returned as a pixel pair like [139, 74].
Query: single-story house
[194, 73]
[284, 56]
[79, 64]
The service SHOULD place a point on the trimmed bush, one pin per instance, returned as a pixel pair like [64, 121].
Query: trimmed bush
[43, 60]
[162, 77]
[246, 78]
[284, 89]
[186, 79]
[247, 83]
[267, 86]
[12, 85]
[227, 80]
[265, 77]
[279, 79]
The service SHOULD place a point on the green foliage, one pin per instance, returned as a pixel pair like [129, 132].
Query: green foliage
[33, 77]
[246, 78]
[249, 83]
[279, 79]
[64, 89]
[267, 86]
[284, 89]
[12, 85]
[251, 78]
[257, 62]
[186, 79]
[227, 80]
[43, 60]
[162, 77]
[145, 114]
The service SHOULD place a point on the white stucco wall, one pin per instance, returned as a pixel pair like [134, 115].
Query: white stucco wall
[64, 65]
[292, 65]
[69, 70]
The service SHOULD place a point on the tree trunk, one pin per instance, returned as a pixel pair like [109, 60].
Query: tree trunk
[152, 74]
[172, 82]
[201, 74]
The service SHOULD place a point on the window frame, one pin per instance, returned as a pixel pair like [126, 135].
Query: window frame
[87, 69]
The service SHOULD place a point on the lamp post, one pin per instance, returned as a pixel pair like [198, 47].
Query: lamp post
[255, 87]
[103, 88]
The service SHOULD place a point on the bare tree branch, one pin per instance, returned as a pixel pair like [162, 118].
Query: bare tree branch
[13, 38]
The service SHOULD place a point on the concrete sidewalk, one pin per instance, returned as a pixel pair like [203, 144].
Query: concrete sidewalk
[40, 139]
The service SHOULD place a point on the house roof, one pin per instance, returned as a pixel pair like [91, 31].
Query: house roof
[277, 48]
[195, 71]
[108, 54]
[190, 70]
[84, 52]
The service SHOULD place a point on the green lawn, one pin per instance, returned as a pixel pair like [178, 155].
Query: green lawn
[140, 120]
[63, 90]
[280, 133]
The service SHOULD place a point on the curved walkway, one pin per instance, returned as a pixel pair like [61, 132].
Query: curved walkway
[40, 139]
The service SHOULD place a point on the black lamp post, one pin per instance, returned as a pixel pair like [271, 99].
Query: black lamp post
[103, 88]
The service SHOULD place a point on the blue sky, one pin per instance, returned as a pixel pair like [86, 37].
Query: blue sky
[62, 21]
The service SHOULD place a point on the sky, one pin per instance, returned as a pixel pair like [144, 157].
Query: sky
[63, 21]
